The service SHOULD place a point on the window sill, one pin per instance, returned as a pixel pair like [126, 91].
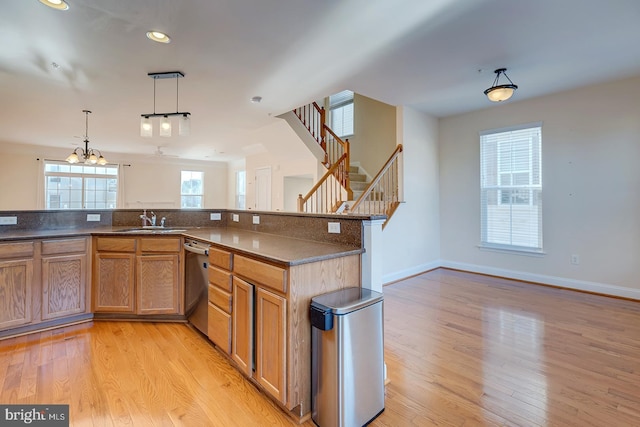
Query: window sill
[513, 251]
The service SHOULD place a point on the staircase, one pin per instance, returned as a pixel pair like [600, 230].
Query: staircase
[344, 188]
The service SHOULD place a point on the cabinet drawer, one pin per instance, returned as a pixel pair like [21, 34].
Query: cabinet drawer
[16, 250]
[159, 244]
[63, 246]
[265, 274]
[219, 328]
[115, 244]
[220, 278]
[220, 298]
[220, 258]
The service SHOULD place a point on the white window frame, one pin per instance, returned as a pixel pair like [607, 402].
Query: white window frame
[511, 188]
[341, 113]
[195, 195]
[241, 189]
[84, 173]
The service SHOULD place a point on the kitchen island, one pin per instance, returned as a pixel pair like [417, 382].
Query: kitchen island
[260, 286]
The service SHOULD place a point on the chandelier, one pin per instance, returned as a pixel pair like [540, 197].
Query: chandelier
[184, 122]
[88, 154]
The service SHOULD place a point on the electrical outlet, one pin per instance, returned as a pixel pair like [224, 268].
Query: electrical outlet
[8, 220]
[236, 217]
[334, 227]
[256, 219]
[93, 217]
[575, 259]
[215, 216]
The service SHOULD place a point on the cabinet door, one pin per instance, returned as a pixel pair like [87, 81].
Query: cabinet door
[63, 285]
[15, 292]
[158, 284]
[242, 313]
[219, 328]
[271, 348]
[113, 282]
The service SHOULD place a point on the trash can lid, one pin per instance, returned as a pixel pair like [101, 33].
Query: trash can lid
[346, 300]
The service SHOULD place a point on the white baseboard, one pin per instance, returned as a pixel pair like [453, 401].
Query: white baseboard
[403, 274]
[600, 288]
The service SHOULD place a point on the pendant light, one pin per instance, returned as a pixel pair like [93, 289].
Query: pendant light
[498, 93]
[88, 154]
[184, 123]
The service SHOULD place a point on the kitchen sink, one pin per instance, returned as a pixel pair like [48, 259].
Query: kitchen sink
[152, 230]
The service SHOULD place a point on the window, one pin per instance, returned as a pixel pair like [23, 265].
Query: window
[341, 113]
[241, 188]
[80, 186]
[191, 189]
[511, 188]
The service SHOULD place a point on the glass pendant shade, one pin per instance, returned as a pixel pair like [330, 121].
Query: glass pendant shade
[93, 159]
[73, 158]
[184, 125]
[102, 161]
[498, 94]
[146, 127]
[165, 127]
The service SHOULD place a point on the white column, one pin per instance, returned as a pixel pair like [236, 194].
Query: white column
[371, 274]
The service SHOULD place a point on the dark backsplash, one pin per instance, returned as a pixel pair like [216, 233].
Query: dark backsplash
[296, 225]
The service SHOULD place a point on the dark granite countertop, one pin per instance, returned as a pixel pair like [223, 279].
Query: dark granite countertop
[269, 247]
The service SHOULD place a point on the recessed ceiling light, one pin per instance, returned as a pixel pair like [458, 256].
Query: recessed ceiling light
[157, 36]
[256, 99]
[56, 4]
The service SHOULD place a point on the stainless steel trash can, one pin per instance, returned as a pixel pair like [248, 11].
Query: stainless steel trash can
[347, 360]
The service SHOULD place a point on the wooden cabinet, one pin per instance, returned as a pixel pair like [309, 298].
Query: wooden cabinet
[114, 275]
[220, 308]
[242, 342]
[271, 345]
[139, 276]
[16, 275]
[158, 285]
[266, 331]
[64, 277]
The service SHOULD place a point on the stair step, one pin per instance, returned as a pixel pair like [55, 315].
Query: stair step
[359, 185]
[359, 177]
[354, 169]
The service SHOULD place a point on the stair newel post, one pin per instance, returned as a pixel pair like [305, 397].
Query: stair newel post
[323, 133]
[300, 203]
[347, 181]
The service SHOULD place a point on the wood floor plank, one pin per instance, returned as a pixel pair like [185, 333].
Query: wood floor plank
[461, 350]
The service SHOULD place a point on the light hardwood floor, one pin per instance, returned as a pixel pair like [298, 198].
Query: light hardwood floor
[461, 350]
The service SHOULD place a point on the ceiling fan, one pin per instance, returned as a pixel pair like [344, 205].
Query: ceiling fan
[161, 153]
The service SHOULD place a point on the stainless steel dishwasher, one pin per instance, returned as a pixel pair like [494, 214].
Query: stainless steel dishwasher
[196, 279]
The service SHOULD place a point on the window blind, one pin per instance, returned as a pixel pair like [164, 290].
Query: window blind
[511, 188]
[341, 111]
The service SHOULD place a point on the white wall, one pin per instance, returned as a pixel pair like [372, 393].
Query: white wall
[591, 189]
[286, 156]
[153, 182]
[411, 239]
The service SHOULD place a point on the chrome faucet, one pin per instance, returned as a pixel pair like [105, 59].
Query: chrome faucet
[145, 218]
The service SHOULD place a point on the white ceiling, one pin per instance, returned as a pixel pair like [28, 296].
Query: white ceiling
[434, 55]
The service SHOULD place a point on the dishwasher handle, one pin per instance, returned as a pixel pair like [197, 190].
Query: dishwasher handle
[196, 249]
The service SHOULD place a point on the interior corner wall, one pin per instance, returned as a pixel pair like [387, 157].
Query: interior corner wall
[591, 182]
[286, 155]
[411, 239]
[374, 136]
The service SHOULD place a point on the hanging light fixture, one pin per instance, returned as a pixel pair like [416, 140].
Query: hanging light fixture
[496, 92]
[88, 154]
[184, 124]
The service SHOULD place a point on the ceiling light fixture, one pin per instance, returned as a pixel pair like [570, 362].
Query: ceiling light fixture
[88, 154]
[55, 4]
[157, 36]
[184, 124]
[498, 93]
